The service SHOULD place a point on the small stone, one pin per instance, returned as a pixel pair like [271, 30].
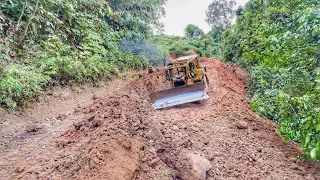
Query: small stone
[78, 126]
[126, 144]
[255, 177]
[293, 160]
[252, 158]
[95, 97]
[65, 95]
[242, 125]
[195, 129]
[56, 94]
[19, 169]
[296, 167]
[96, 123]
[184, 127]
[255, 127]
[62, 116]
[154, 162]
[175, 128]
[185, 143]
[33, 128]
[86, 110]
[90, 117]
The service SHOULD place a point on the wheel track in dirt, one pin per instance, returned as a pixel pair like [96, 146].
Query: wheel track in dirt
[122, 137]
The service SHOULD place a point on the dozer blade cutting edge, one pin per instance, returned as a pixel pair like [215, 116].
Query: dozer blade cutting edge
[179, 95]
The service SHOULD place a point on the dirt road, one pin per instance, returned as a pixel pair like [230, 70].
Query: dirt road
[121, 137]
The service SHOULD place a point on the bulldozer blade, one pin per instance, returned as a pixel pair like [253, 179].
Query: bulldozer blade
[179, 95]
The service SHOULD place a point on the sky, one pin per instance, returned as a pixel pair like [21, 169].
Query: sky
[180, 13]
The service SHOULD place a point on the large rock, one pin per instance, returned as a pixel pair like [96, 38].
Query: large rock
[155, 134]
[193, 166]
[241, 125]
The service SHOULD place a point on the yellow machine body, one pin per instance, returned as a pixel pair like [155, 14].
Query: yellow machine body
[188, 83]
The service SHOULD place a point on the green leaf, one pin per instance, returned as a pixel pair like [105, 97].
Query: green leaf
[316, 31]
[318, 128]
[307, 139]
[313, 153]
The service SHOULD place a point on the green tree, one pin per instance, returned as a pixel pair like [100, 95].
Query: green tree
[216, 33]
[239, 11]
[193, 31]
[139, 15]
[220, 13]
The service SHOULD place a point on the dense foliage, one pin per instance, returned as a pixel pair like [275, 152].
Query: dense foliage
[49, 42]
[207, 46]
[193, 31]
[279, 43]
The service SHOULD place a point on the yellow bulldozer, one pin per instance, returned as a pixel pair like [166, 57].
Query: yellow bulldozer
[188, 83]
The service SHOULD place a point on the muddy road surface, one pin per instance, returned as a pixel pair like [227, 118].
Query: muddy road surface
[119, 136]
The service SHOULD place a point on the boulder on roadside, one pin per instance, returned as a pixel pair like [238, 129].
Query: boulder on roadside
[193, 166]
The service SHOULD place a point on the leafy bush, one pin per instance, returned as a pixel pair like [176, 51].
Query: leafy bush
[19, 84]
[229, 45]
[174, 45]
[181, 46]
[45, 43]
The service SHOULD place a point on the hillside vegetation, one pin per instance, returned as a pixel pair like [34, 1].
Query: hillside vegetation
[279, 44]
[208, 46]
[45, 43]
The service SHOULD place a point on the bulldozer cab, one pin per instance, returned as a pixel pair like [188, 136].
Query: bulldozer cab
[187, 83]
[184, 71]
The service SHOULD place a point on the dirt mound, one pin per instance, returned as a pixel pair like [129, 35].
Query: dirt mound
[105, 144]
[122, 137]
[82, 155]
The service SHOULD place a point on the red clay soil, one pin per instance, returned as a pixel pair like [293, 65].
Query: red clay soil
[122, 137]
